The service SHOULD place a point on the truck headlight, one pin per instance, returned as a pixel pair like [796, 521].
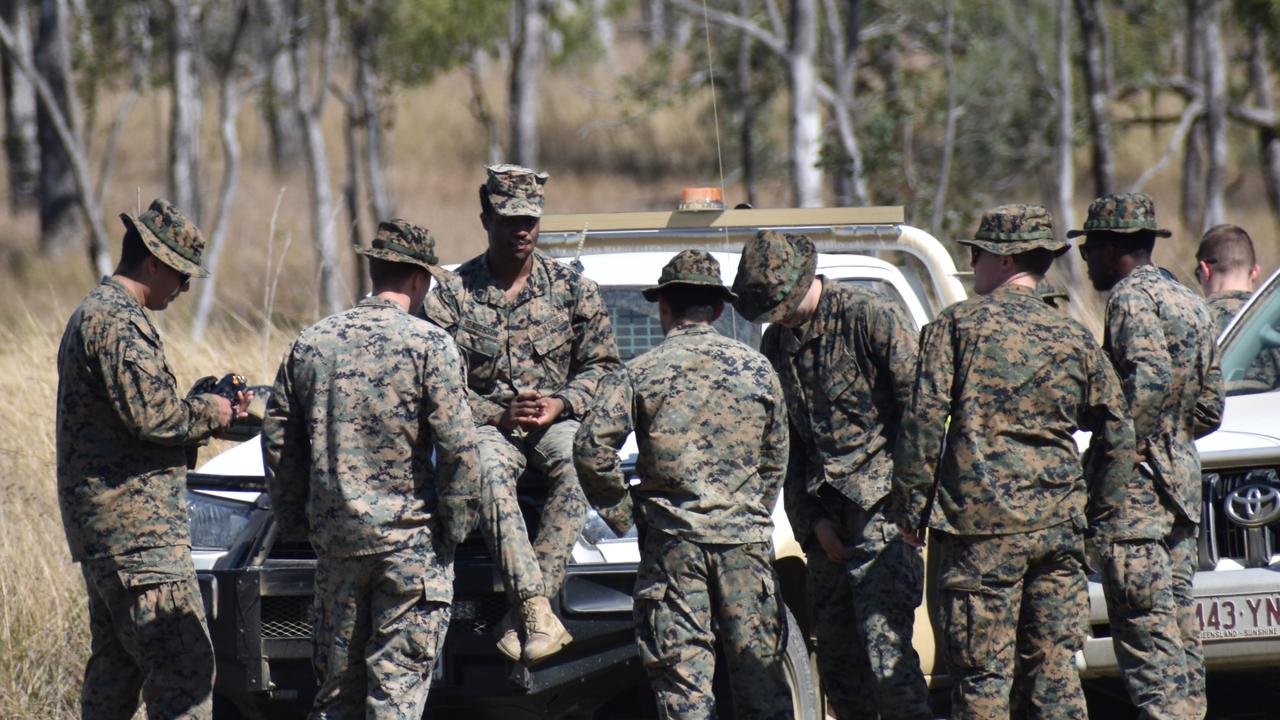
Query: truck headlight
[215, 522]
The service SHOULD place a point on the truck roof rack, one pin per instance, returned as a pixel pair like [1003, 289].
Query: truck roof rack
[858, 230]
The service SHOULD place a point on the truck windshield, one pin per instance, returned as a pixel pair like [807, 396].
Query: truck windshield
[1251, 355]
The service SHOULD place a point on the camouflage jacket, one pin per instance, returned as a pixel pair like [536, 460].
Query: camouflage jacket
[1225, 305]
[1017, 378]
[554, 338]
[712, 433]
[1160, 337]
[846, 376]
[121, 428]
[368, 432]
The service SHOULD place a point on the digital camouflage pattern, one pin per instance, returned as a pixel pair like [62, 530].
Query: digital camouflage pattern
[711, 426]
[1121, 213]
[690, 267]
[774, 273]
[1012, 229]
[862, 612]
[688, 596]
[121, 430]
[1053, 295]
[1160, 336]
[1226, 305]
[534, 566]
[555, 338]
[377, 635]
[1013, 610]
[401, 241]
[846, 374]
[1017, 378]
[361, 403]
[515, 190]
[711, 429]
[149, 637]
[170, 236]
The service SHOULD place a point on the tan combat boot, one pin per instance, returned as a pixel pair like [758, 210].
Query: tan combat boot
[544, 635]
[509, 635]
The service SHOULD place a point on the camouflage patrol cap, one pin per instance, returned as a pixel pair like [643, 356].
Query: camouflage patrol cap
[690, 267]
[170, 236]
[774, 273]
[1013, 229]
[515, 190]
[400, 241]
[1122, 213]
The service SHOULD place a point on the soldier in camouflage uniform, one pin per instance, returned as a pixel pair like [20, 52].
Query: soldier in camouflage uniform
[846, 359]
[536, 340]
[987, 460]
[1160, 337]
[1226, 269]
[121, 431]
[712, 432]
[370, 449]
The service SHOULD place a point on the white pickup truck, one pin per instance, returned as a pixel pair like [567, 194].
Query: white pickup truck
[257, 585]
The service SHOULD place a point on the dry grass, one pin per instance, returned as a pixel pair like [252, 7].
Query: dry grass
[436, 152]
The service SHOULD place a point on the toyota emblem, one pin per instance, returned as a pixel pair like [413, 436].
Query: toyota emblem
[1253, 506]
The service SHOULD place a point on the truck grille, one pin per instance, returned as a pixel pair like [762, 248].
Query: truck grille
[1222, 539]
[287, 617]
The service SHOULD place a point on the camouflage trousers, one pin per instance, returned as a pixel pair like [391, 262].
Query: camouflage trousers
[862, 613]
[1153, 623]
[689, 595]
[148, 630]
[379, 628]
[530, 567]
[1013, 613]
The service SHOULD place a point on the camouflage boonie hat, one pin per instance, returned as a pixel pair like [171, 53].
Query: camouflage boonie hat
[1013, 229]
[690, 267]
[400, 241]
[774, 274]
[170, 236]
[515, 190]
[1122, 213]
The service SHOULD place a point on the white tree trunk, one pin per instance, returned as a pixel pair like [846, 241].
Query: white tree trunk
[185, 111]
[375, 165]
[22, 148]
[1215, 92]
[843, 39]
[1066, 131]
[806, 116]
[527, 57]
[1191, 193]
[480, 106]
[953, 116]
[310, 110]
[279, 101]
[61, 226]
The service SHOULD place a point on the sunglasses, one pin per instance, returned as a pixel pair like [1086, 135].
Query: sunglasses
[974, 254]
[1084, 251]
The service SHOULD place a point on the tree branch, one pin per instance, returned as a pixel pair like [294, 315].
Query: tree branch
[1189, 117]
[772, 40]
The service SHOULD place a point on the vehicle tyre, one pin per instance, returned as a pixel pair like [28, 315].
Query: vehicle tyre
[802, 675]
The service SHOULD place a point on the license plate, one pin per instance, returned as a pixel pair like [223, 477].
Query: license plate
[1239, 616]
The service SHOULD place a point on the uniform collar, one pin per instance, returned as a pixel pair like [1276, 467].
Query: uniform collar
[376, 302]
[536, 284]
[693, 328]
[140, 315]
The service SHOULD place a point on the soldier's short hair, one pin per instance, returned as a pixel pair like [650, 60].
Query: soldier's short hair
[486, 207]
[1036, 262]
[693, 302]
[1228, 248]
[132, 251]
[384, 273]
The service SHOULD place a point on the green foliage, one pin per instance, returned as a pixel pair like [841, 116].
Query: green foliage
[420, 38]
